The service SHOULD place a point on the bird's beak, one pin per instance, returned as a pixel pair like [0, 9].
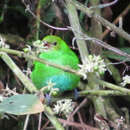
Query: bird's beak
[47, 45]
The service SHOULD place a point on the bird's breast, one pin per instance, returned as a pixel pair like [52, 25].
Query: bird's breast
[63, 82]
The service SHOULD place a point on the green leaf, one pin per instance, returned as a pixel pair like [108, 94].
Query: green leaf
[21, 104]
[112, 55]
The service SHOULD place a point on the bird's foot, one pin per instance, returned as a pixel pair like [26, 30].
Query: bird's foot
[76, 94]
[48, 98]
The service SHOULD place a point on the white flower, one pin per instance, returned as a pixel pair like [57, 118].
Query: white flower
[126, 80]
[39, 44]
[50, 88]
[64, 106]
[54, 91]
[50, 84]
[93, 64]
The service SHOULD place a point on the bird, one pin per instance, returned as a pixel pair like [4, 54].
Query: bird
[58, 52]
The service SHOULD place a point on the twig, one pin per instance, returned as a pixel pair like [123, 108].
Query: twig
[112, 86]
[109, 47]
[102, 93]
[26, 122]
[74, 21]
[78, 125]
[43, 127]
[31, 87]
[95, 29]
[76, 110]
[22, 54]
[39, 122]
[80, 119]
[112, 109]
[47, 25]
[49, 113]
[100, 19]
[78, 107]
[113, 71]
[103, 44]
[104, 5]
[24, 79]
[38, 10]
[116, 21]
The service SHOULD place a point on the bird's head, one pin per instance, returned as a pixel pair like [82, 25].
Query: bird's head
[54, 42]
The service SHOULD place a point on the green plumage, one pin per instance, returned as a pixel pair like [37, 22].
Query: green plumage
[61, 54]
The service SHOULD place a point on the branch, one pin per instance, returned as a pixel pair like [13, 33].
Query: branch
[112, 86]
[116, 20]
[77, 125]
[32, 57]
[24, 55]
[102, 93]
[24, 79]
[100, 19]
[50, 114]
[105, 45]
[76, 28]
[104, 5]
[28, 84]
[44, 23]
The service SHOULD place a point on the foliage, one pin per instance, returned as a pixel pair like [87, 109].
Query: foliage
[24, 23]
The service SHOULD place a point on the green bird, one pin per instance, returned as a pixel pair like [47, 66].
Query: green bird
[59, 53]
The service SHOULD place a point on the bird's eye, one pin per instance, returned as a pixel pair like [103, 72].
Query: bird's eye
[55, 43]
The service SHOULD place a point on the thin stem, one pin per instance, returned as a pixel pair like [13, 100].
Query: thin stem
[25, 55]
[45, 24]
[104, 5]
[112, 86]
[74, 21]
[39, 122]
[24, 79]
[50, 114]
[38, 10]
[77, 125]
[116, 21]
[105, 45]
[102, 93]
[100, 19]
[32, 88]
[26, 122]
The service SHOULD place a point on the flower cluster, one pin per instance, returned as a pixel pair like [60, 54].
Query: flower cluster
[7, 92]
[126, 80]
[93, 64]
[40, 46]
[50, 88]
[52, 91]
[64, 107]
